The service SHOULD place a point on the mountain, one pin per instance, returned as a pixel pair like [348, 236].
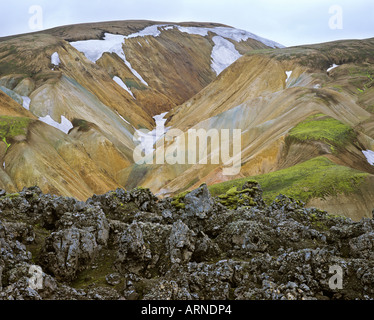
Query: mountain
[72, 99]
[94, 85]
[292, 105]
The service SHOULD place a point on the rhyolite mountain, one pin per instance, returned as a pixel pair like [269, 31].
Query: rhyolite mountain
[72, 98]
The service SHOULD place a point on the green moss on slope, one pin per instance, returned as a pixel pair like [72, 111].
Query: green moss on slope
[132, 84]
[325, 129]
[315, 178]
[12, 126]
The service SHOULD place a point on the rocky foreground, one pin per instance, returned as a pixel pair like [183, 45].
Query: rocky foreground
[132, 245]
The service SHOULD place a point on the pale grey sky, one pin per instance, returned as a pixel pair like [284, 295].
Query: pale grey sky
[288, 22]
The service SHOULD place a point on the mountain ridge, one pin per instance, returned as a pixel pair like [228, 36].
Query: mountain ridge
[103, 82]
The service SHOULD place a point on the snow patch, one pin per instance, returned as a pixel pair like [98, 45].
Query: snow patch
[123, 85]
[369, 156]
[168, 27]
[288, 73]
[332, 67]
[223, 55]
[195, 30]
[55, 59]
[148, 139]
[64, 126]
[229, 33]
[160, 119]
[148, 31]
[26, 102]
[112, 43]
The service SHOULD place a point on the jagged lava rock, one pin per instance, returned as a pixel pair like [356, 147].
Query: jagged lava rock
[132, 245]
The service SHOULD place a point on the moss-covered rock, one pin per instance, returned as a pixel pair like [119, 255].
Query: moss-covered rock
[234, 198]
[178, 200]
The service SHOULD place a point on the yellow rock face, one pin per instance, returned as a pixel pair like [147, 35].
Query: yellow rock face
[56, 163]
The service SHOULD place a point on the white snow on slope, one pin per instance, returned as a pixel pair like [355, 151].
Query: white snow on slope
[229, 33]
[160, 119]
[369, 156]
[55, 59]
[332, 67]
[195, 30]
[148, 31]
[64, 126]
[123, 85]
[148, 139]
[26, 102]
[112, 43]
[224, 54]
[288, 73]
[168, 27]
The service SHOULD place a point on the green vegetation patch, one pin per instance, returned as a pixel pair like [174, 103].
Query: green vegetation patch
[323, 128]
[234, 198]
[315, 178]
[96, 273]
[178, 200]
[8, 67]
[12, 126]
[36, 247]
[132, 84]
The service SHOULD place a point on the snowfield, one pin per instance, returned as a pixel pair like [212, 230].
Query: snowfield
[288, 73]
[26, 102]
[64, 126]
[55, 59]
[223, 54]
[369, 156]
[148, 31]
[112, 43]
[229, 33]
[148, 139]
[160, 120]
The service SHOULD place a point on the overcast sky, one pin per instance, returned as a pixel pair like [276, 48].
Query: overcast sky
[288, 22]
